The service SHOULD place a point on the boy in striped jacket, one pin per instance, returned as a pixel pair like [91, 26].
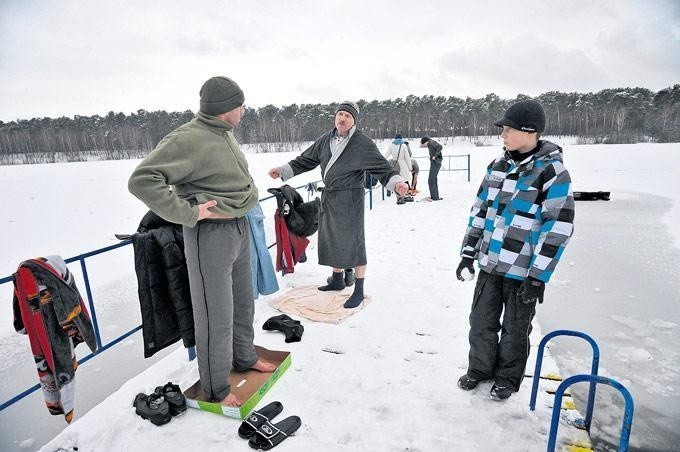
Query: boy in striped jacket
[519, 226]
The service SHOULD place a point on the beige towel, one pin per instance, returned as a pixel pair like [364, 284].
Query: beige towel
[313, 304]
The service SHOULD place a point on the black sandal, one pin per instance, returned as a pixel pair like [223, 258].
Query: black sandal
[270, 435]
[257, 418]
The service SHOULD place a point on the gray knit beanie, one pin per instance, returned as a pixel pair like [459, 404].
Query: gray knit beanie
[350, 107]
[220, 95]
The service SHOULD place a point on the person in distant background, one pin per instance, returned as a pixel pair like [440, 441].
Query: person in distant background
[519, 226]
[212, 191]
[345, 155]
[398, 152]
[415, 170]
[435, 152]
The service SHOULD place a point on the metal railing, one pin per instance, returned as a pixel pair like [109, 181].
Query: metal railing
[93, 314]
[448, 166]
[593, 379]
[593, 369]
[101, 347]
[311, 187]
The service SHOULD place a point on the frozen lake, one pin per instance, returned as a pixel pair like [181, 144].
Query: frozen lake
[617, 280]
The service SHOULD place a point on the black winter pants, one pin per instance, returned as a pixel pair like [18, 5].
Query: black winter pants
[503, 360]
[435, 166]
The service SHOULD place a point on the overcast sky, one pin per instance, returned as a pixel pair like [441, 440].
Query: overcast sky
[61, 58]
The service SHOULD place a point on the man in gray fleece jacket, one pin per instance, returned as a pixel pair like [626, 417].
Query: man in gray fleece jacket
[212, 191]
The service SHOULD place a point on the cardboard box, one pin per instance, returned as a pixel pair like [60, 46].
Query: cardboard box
[249, 386]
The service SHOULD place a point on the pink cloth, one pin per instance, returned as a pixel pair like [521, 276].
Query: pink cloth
[311, 303]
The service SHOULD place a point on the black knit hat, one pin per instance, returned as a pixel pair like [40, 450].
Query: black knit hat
[424, 139]
[350, 107]
[220, 95]
[525, 115]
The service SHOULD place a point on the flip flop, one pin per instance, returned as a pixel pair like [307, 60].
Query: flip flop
[257, 418]
[270, 435]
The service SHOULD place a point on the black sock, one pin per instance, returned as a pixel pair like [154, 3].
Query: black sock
[337, 283]
[358, 295]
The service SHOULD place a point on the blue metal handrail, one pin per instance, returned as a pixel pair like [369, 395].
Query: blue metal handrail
[594, 369]
[448, 166]
[370, 189]
[93, 313]
[594, 379]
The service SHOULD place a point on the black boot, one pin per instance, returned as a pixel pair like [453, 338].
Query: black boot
[337, 283]
[349, 277]
[290, 327]
[358, 295]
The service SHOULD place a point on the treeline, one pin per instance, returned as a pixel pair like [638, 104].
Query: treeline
[622, 115]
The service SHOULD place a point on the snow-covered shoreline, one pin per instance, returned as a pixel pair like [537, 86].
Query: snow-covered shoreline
[416, 245]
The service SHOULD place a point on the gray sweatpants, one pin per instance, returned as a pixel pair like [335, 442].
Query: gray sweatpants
[218, 262]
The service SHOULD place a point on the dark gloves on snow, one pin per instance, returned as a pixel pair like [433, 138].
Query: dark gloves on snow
[531, 290]
[465, 264]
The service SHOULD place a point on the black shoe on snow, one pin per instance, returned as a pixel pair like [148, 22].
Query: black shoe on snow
[500, 393]
[173, 394]
[153, 407]
[466, 383]
[290, 327]
[336, 283]
[349, 277]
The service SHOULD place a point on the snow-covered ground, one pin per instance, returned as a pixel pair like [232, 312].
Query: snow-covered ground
[392, 387]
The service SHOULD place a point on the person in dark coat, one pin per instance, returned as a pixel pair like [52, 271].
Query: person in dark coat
[435, 151]
[345, 154]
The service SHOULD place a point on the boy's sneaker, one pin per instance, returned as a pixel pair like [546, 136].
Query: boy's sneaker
[153, 407]
[500, 393]
[466, 383]
[173, 394]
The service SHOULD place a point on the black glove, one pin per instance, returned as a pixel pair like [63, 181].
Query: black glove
[531, 290]
[465, 262]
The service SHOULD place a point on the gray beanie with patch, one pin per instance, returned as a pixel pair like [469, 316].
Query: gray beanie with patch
[220, 95]
[350, 107]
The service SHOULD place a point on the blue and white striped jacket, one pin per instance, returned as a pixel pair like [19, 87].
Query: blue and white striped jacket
[523, 215]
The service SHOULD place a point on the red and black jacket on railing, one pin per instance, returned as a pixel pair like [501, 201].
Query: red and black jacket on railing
[49, 309]
[294, 221]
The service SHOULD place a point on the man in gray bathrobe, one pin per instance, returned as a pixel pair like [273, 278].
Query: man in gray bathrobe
[345, 155]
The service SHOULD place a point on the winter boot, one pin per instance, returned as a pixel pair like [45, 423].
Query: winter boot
[466, 383]
[337, 282]
[349, 277]
[153, 407]
[288, 326]
[500, 393]
[173, 394]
